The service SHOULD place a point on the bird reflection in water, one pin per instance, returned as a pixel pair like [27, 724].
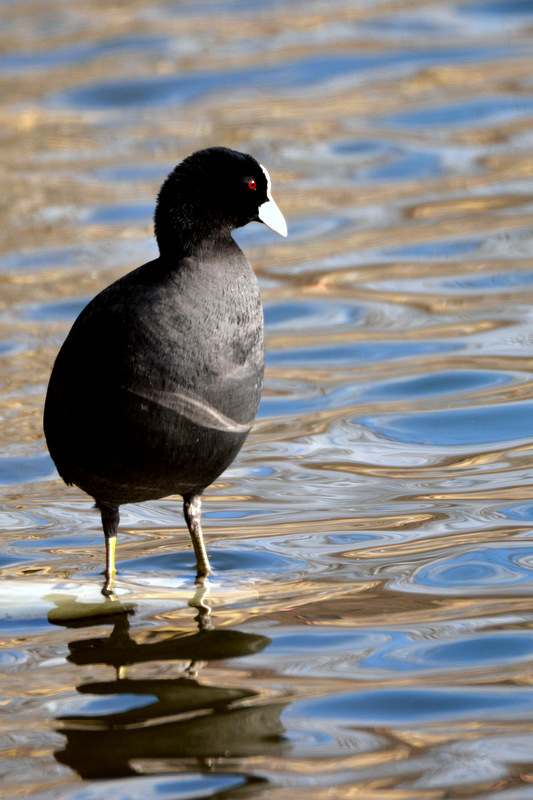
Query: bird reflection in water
[180, 718]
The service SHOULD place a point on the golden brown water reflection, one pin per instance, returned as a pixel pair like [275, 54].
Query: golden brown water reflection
[370, 633]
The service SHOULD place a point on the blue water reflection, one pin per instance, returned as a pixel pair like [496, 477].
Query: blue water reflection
[490, 568]
[521, 512]
[469, 653]
[442, 249]
[500, 8]
[382, 161]
[356, 352]
[227, 6]
[326, 641]
[365, 653]
[494, 281]
[41, 258]
[63, 310]
[58, 57]
[414, 706]
[405, 166]
[491, 424]
[26, 469]
[133, 172]
[254, 561]
[472, 112]
[169, 90]
[302, 314]
[293, 398]
[110, 704]
[120, 214]
[187, 786]
[438, 384]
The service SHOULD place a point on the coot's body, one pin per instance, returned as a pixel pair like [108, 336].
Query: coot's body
[136, 409]
[158, 383]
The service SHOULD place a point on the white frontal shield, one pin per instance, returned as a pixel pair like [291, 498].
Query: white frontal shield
[269, 212]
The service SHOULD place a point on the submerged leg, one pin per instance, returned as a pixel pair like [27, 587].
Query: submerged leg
[192, 510]
[110, 520]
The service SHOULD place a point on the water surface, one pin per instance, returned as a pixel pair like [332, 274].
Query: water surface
[367, 630]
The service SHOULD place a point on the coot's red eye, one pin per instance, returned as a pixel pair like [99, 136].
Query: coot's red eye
[252, 184]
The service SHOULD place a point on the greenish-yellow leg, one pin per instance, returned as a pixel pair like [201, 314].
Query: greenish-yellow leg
[110, 520]
[192, 510]
[110, 571]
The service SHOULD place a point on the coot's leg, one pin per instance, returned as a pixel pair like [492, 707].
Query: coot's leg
[192, 510]
[110, 520]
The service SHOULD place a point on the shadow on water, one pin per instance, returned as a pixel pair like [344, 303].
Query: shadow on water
[126, 720]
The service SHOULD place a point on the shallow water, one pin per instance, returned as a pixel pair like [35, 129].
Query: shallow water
[368, 628]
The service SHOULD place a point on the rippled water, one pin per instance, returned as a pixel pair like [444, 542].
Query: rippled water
[371, 628]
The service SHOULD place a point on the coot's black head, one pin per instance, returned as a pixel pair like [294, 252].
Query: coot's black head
[213, 190]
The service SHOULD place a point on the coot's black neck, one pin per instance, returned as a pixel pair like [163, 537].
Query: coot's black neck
[189, 239]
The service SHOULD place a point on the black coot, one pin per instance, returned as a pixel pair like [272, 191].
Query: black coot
[157, 384]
